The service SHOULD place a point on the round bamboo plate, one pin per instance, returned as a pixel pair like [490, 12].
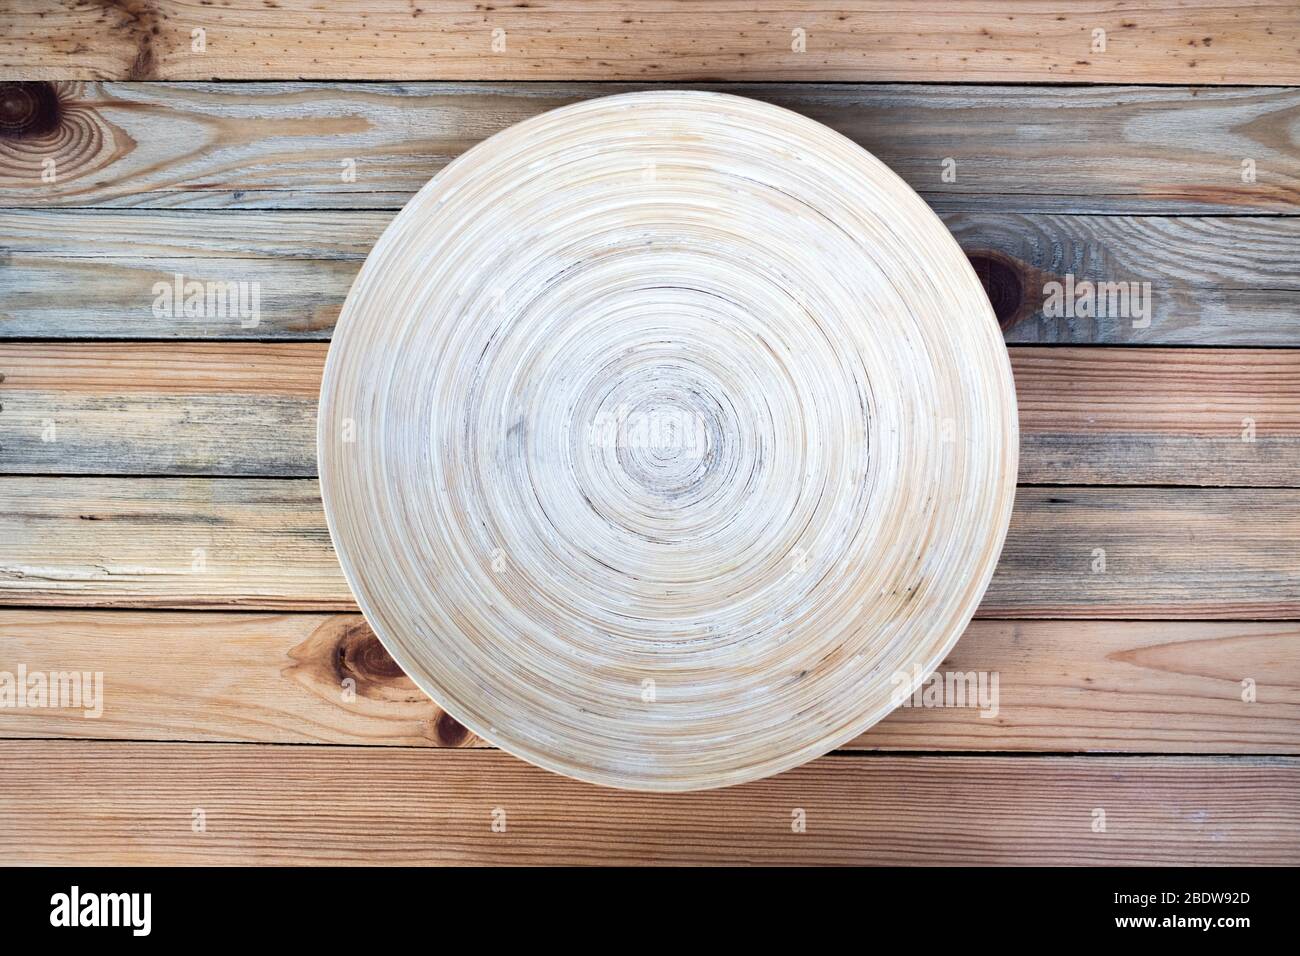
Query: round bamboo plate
[667, 440]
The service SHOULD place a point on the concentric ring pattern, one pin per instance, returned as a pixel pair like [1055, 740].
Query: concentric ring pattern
[666, 438]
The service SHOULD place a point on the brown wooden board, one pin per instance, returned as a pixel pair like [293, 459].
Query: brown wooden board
[1127, 686]
[1173, 41]
[152, 803]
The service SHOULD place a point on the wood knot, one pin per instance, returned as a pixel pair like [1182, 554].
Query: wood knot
[449, 732]
[360, 655]
[29, 110]
[1004, 284]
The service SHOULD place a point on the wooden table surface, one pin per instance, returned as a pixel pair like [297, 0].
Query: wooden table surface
[160, 520]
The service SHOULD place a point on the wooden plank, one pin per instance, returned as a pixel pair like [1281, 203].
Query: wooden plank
[312, 145]
[1173, 41]
[1149, 553]
[267, 678]
[91, 273]
[234, 408]
[1203, 280]
[1163, 687]
[72, 297]
[167, 543]
[1158, 416]
[1087, 416]
[263, 544]
[136, 803]
[1122, 686]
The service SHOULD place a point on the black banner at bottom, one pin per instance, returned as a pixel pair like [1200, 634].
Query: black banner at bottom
[329, 905]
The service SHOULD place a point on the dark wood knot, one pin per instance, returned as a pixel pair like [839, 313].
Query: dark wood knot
[29, 110]
[360, 655]
[449, 732]
[1004, 283]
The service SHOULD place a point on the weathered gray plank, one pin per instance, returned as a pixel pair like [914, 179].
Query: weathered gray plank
[262, 543]
[1087, 415]
[92, 273]
[1126, 552]
[215, 408]
[288, 145]
[1189, 280]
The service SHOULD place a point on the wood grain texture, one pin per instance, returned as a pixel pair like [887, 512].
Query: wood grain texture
[91, 273]
[211, 408]
[1087, 415]
[265, 678]
[133, 803]
[1174, 41]
[1160, 687]
[1222, 554]
[1121, 686]
[1158, 416]
[1220, 280]
[288, 145]
[167, 543]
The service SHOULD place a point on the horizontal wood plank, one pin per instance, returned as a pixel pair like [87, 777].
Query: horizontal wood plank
[238, 408]
[1123, 686]
[214, 676]
[1148, 553]
[1158, 416]
[1202, 280]
[1173, 41]
[82, 803]
[92, 273]
[1087, 416]
[1159, 687]
[262, 544]
[192, 542]
[370, 146]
